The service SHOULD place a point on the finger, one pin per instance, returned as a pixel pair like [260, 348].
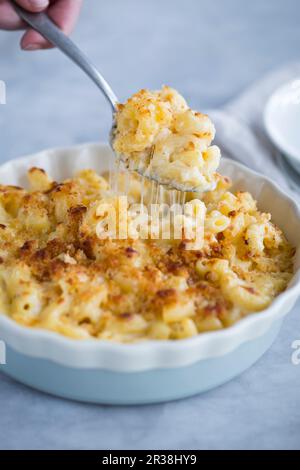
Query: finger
[64, 13]
[33, 5]
[32, 41]
[8, 17]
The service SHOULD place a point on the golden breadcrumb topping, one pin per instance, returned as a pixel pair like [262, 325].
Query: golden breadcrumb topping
[158, 135]
[56, 273]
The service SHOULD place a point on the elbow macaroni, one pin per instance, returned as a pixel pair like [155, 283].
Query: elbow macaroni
[57, 274]
[157, 134]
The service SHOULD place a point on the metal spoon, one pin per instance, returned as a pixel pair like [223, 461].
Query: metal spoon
[47, 28]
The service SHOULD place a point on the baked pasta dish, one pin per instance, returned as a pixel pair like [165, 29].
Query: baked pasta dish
[57, 273]
[159, 136]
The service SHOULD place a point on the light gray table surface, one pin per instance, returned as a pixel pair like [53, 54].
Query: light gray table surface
[210, 51]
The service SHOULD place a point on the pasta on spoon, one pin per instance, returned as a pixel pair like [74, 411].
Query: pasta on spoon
[160, 137]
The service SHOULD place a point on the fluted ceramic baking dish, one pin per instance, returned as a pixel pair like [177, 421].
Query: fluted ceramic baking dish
[151, 371]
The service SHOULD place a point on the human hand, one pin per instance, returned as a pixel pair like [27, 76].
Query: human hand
[63, 12]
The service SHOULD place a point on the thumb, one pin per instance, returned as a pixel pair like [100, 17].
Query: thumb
[33, 5]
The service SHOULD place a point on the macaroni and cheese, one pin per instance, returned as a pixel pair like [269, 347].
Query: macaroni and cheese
[159, 136]
[57, 273]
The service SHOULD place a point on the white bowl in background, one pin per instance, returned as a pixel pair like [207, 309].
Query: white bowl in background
[282, 121]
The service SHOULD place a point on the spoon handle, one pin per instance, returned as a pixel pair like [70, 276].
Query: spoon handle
[45, 26]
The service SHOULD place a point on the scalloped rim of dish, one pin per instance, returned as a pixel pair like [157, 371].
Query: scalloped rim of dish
[148, 354]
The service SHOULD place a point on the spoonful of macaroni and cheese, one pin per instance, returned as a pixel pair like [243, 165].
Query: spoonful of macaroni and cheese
[160, 137]
[154, 133]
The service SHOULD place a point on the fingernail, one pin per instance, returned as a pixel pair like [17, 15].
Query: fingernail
[40, 4]
[31, 47]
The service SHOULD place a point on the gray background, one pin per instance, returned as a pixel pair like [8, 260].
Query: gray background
[210, 51]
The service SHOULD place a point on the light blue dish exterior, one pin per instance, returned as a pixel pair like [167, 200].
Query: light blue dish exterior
[132, 388]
